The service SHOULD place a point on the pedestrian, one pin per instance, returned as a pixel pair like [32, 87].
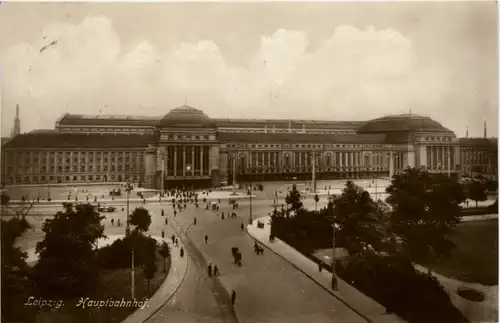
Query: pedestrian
[206, 239]
[209, 270]
[166, 220]
[119, 223]
[162, 234]
[222, 216]
[112, 222]
[173, 238]
[194, 221]
[182, 252]
[175, 213]
[162, 212]
[233, 297]
[242, 227]
[319, 266]
[176, 242]
[216, 271]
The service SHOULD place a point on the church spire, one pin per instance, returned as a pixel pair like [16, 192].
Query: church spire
[17, 123]
[485, 130]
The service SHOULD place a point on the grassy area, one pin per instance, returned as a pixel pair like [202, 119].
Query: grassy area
[475, 258]
[115, 285]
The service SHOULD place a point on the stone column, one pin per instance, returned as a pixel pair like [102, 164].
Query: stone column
[223, 161]
[423, 156]
[391, 164]
[430, 150]
[214, 165]
[183, 161]
[201, 161]
[150, 167]
[192, 161]
[410, 157]
[175, 160]
[457, 157]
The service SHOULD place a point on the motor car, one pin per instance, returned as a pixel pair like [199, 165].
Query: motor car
[106, 209]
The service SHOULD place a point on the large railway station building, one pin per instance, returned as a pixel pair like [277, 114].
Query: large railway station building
[187, 147]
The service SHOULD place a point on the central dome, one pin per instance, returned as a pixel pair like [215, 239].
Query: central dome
[186, 117]
[402, 123]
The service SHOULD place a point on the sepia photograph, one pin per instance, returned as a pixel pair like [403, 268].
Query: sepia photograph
[249, 162]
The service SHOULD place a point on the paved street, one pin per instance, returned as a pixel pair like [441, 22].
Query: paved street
[268, 288]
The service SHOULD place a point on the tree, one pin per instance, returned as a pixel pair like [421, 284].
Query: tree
[141, 219]
[165, 253]
[359, 219]
[477, 191]
[20, 209]
[16, 276]
[67, 264]
[316, 200]
[294, 200]
[149, 271]
[5, 199]
[424, 209]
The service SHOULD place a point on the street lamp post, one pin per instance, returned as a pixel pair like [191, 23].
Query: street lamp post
[129, 188]
[334, 259]
[448, 161]
[234, 174]
[313, 172]
[162, 175]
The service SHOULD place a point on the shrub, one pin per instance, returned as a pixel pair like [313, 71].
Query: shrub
[393, 282]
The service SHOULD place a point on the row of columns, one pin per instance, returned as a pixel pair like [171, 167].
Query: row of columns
[304, 160]
[440, 155]
[162, 161]
[301, 159]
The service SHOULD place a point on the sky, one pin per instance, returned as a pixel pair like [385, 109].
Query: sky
[324, 60]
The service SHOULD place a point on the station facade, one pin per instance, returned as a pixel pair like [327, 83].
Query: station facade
[187, 147]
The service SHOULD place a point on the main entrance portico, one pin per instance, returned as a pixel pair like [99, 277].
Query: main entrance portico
[185, 151]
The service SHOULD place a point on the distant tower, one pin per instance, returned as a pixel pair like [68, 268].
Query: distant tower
[467, 132]
[17, 123]
[485, 130]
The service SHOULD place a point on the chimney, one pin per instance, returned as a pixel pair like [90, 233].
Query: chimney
[265, 128]
[303, 127]
[274, 129]
[290, 126]
[485, 130]
[467, 132]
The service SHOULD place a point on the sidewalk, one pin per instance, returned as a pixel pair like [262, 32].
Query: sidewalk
[370, 310]
[485, 311]
[175, 277]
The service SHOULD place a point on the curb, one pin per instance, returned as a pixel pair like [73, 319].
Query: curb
[314, 280]
[173, 293]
